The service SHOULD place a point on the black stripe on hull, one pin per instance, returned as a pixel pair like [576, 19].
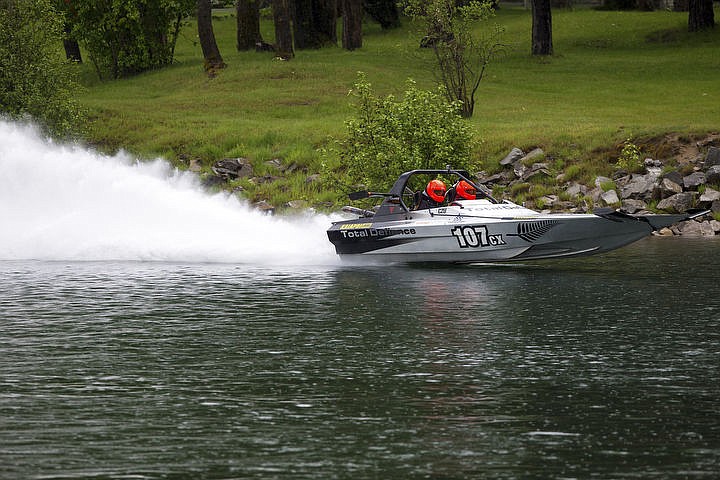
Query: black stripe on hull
[350, 246]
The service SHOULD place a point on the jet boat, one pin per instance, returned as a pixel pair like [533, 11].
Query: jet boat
[480, 230]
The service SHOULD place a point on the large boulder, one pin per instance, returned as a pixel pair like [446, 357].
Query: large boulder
[576, 189]
[680, 202]
[533, 154]
[709, 195]
[230, 168]
[669, 187]
[674, 176]
[694, 228]
[631, 205]
[712, 157]
[640, 186]
[712, 175]
[610, 198]
[538, 170]
[694, 180]
[512, 157]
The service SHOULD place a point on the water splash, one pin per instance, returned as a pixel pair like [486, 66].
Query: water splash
[65, 202]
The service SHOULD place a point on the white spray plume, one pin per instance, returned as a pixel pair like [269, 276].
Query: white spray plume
[65, 202]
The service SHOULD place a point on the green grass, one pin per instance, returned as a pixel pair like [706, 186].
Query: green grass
[615, 75]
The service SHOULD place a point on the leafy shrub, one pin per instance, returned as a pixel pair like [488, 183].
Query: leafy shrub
[35, 80]
[629, 158]
[126, 37]
[388, 136]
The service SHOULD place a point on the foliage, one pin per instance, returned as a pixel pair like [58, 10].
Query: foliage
[462, 54]
[125, 37]
[388, 136]
[284, 110]
[35, 80]
[629, 158]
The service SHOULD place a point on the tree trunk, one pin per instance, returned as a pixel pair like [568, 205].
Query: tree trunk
[248, 24]
[72, 50]
[352, 24]
[314, 23]
[326, 15]
[541, 28]
[701, 16]
[385, 12]
[283, 34]
[211, 52]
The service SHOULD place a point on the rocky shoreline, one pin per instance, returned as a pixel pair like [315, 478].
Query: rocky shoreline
[672, 188]
[689, 181]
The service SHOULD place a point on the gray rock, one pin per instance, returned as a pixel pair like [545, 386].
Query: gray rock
[668, 187]
[600, 180]
[595, 194]
[493, 179]
[712, 175]
[694, 180]
[680, 202]
[228, 168]
[712, 157]
[654, 171]
[640, 186]
[715, 207]
[536, 171]
[512, 157]
[631, 205]
[715, 226]
[610, 197]
[709, 195]
[549, 200]
[264, 207]
[674, 176]
[694, 228]
[313, 178]
[576, 189]
[532, 154]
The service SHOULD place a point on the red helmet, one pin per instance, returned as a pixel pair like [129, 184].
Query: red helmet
[436, 190]
[465, 191]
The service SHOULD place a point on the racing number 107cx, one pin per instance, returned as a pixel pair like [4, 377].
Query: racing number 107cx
[476, 236]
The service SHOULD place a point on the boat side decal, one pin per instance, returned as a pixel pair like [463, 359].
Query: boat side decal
[474, 236]
[532, 231]
[352, 226]
[364, 240]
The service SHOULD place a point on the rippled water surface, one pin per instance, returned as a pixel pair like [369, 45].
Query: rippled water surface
[605, 367]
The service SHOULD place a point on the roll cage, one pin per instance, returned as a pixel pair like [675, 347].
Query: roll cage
[401, 199]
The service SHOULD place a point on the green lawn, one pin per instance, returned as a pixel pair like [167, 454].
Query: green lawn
[615, 75]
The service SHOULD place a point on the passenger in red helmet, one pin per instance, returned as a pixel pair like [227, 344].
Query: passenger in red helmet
[465, 191]
[433, 195]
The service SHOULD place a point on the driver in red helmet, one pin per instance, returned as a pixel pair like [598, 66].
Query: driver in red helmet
[465, 191]
[433, 195]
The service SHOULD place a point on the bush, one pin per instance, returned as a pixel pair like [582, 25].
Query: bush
[388, 136]
[36, 82]
[629, 159]
[125, 37]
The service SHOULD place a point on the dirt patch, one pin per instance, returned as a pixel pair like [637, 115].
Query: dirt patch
[677, 148]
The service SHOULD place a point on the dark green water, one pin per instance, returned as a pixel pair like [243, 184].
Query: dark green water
[604, 367]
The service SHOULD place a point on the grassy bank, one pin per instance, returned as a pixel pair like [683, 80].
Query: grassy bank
[615, 75]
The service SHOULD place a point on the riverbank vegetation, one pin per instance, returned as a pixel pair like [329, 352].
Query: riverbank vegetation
[614, 76]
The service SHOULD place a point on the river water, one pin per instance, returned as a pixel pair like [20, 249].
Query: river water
[251, 352]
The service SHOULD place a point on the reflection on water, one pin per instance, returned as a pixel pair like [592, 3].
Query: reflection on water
[599, 367]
